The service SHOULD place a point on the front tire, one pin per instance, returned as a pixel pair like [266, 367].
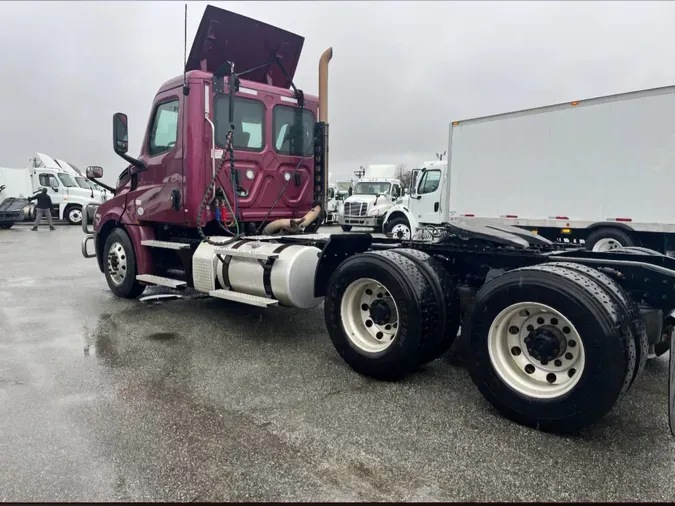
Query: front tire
[400, 229]
[74, 215]
[6, 226]
[346, 228]
[577, 361]
[119, 265]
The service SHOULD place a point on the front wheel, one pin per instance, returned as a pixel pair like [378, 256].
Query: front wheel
[399, 229]
[6, 226]
[74, 215]
[346, 228]
[119, 265]
[548, 348]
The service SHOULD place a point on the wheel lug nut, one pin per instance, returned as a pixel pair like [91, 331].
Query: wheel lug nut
[515, 351]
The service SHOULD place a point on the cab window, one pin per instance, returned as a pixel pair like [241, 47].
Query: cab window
[249, 122]
[430, 181]
[291, 139]
[164, 131]
[48, 180]
[396, 191]
[331, 193]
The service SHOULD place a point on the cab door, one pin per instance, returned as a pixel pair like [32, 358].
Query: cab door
[55, 189]
[426, 203]
[159, 194]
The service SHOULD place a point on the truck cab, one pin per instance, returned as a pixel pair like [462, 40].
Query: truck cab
[68, 199]
[232, 146]
[424, 204]
[371, 198]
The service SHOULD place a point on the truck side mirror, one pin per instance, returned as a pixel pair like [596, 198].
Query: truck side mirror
[55, 188]
[94, 172]
[120, 133]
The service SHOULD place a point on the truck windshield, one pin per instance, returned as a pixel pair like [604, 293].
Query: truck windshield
[67, 180]
[249, 122]
[82, 183]
[371, 188]
[287, 139]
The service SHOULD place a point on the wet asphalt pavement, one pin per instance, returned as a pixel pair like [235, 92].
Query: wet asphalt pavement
[201, 399]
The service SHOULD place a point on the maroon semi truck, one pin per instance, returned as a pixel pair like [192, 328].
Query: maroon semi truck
[553, 337]
[238, 78]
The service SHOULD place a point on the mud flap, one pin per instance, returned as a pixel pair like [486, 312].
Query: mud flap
[671, 384]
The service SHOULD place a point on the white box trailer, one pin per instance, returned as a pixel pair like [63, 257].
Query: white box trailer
[600, 171]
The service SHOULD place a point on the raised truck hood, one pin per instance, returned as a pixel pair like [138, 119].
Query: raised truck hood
[225, 36]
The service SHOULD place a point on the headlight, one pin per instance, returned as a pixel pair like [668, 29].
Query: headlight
[374, 212]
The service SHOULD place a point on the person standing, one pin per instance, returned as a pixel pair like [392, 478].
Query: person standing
[43, 208]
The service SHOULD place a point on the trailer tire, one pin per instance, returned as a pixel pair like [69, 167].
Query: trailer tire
[412, 303]
[346, 228]
[607, 239]
[119, 265]
[630, 314]
[73, 214]
[446, 292]
[536, 396]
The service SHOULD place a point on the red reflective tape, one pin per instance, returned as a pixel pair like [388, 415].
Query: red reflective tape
[469, 215]
[624, 219]
[561, 218]
[511, 216]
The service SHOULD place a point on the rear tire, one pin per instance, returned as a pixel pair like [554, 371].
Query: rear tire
[446, 291]
[374, 340]
[119, 265]
[591, 370]
[6, 226]
[346, 228]
[630, 313]
[608, 239]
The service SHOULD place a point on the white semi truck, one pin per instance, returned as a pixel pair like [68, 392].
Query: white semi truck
[371, 198]
[68, 198]
[597, 171]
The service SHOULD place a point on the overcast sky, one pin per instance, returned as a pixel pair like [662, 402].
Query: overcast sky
[401, 71]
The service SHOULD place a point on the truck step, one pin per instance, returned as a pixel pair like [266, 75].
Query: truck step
[244, 298]
[235, 253]
[165, 244]
[159, 280]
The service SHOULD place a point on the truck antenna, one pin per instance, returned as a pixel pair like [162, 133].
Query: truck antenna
[186, 90]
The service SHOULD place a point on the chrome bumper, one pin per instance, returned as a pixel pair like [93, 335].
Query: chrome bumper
[89, 211]
[360, 221]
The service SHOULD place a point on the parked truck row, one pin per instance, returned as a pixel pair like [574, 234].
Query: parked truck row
[69, 191]
[553, 337]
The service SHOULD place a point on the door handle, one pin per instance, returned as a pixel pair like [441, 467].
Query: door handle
[436, 205]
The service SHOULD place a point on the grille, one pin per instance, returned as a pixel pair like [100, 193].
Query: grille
[356, 208]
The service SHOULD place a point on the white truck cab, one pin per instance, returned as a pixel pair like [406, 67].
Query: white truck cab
[371, 198]
[424, 205]
[68, 199]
